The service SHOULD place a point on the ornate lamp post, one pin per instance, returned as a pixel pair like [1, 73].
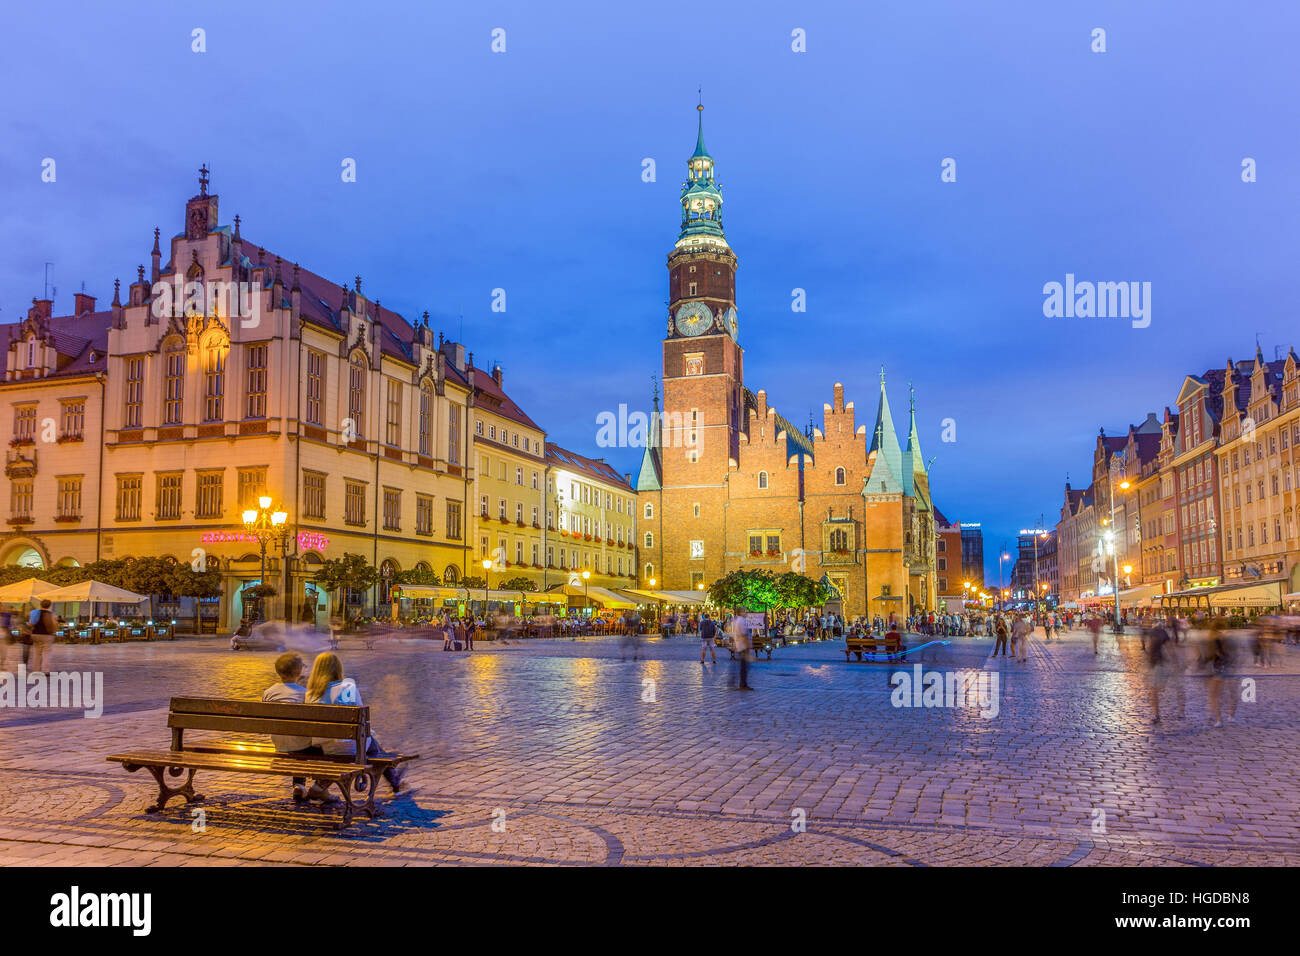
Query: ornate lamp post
[266, 526]
[487, 580]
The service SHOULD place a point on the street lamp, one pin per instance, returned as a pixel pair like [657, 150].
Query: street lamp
[487, 569]
[586, 578]
[1002, 557]
[1114, 551]
[266, 526]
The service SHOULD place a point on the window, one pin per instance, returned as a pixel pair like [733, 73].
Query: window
[168, 487]
[313, 493]
[839, 540]
[134, 393]
[392, 509]
[695, 509]
[214, 381]
[426, 423]
[68, 497]
[478, 428]
[354, 502]
[839, 476]
[773, 544]
[252, 484]
[256, 406]
[519, 512]
[315, 386]
[128, 497]
[357, 393]
[424, 514]
[73, 415]
[501, 509]
[755, 544]
[649, 540]
[519, 476]
[453, 433]
[174, 384]
[393, 434]
[208, 497]
[25, 423]
[20, 499]
[762, 479]
[453, 520]
[649, 510]
[534, 481]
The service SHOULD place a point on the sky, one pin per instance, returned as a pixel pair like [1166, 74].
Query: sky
[522, 170]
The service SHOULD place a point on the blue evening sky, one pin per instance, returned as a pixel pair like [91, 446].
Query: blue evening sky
[522, 171]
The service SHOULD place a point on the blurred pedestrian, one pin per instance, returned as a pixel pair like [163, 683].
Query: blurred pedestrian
[1217, 656]
[42, 626]
[741, 646]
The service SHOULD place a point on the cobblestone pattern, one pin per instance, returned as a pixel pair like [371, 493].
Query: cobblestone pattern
[561, 737]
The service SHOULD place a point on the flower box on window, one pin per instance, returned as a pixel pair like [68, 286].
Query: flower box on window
[521, 524]
[64, 439]
[16, 442]
[773, 553]
[756, 554]
[504, 520]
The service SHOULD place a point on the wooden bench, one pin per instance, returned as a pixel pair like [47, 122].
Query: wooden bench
[357, 775]
[759, 642]
[871, 644]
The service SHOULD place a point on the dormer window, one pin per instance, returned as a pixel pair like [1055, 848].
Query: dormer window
[31, 353]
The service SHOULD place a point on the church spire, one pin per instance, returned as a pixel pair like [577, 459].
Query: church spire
[887, 472]
[913, 459]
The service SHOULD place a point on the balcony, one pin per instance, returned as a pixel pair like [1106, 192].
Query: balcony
[20, 463]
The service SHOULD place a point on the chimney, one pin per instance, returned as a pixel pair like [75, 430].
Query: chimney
[455, 353]
[42, 309]
[496, 375]
[83, 304]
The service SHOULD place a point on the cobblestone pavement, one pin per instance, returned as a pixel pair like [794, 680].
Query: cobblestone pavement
[581, 755]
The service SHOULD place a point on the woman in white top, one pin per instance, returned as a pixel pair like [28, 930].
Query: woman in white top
[327, 685]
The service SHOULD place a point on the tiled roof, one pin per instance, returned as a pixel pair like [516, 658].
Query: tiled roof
[592, 467]
[74, 337]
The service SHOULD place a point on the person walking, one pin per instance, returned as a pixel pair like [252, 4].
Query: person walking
[708, 638]
[1218, 656]
[42, 625]
[1000, 632]
[741, 645]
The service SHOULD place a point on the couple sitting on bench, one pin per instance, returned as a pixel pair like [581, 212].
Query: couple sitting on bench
[326, 685]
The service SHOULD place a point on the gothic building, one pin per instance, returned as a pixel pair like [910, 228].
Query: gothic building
[726, 482]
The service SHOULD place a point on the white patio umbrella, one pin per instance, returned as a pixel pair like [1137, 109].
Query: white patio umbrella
[23, 592]
[96, 592]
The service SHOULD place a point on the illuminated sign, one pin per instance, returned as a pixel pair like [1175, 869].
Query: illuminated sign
[311, 541]
[216, 537]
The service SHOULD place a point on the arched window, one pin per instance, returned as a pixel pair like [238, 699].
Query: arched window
[451, 575]
[357, 393]
[762, 479]
[214, 380]
[387, 574]
[649, 572]
[649, 540]
[426, 421]
[649, 510]
[174, 384]
[839, 476]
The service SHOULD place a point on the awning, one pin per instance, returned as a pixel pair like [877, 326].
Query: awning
[413, 592]
[1263, 595]
[1141, 595]
[683, 597]
[598, 595]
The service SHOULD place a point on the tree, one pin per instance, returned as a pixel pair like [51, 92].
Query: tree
[752, 590]
[351, 572]
[417, 576]
[472, 582]
[520, 583]
[797, 591]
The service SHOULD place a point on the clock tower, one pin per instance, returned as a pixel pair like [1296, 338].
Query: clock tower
[702, 370]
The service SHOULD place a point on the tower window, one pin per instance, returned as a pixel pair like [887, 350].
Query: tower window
[839, 476]
[692, 292]
[762, 479]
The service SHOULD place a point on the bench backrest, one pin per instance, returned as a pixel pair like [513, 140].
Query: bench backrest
[328, 721]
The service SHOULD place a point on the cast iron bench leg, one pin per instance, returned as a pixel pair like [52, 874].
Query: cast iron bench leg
[165, 792]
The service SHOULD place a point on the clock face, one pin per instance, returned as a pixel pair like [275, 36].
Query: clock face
[730, 320]
[694, 318]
